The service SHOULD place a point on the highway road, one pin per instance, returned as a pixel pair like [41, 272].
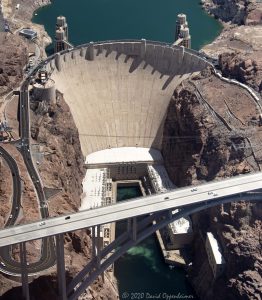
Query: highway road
[215, 192]
[10, 266]
[16, 198]
[48, 256]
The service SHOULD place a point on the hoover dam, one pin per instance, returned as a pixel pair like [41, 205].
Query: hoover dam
[119, 91]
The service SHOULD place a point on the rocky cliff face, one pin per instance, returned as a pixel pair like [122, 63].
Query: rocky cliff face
[201, 150]
[227, 10]
[239, 12]
[13, 57]
[245, 68]
[239, 49]
[62, 168]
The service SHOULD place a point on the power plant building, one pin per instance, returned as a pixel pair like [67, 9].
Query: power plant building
[28, 33]
[215, 257]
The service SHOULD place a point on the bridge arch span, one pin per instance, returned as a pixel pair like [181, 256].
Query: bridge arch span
[126, 240]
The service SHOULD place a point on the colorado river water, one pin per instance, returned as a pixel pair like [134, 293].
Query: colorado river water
[141, 272]
[142, 269]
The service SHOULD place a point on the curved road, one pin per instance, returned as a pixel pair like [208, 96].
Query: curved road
[48, 256]
[16, 187]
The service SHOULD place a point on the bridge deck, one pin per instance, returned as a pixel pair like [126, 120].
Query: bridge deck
[210, 192]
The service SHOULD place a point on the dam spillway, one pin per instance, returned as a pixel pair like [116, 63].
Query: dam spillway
[119, 91]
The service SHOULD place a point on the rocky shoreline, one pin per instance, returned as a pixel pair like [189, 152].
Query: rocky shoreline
[239, 46]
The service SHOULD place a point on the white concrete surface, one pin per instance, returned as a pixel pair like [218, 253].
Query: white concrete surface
[159, 178]
[214, 247]
[94, 186]
[182, 225]
[124, 154]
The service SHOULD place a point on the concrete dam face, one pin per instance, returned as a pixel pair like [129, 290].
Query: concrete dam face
[118, 92]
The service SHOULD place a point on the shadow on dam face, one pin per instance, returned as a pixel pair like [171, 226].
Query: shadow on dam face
[120, 91]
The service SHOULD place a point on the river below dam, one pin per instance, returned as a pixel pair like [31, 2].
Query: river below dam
[141, 273]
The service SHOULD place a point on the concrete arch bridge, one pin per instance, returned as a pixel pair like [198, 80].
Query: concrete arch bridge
[157, 208]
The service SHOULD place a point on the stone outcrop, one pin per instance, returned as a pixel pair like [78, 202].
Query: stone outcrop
[244, 68]
[13, 57]
[239, 48]
[195, 151]
[239, 12]
[62, 168]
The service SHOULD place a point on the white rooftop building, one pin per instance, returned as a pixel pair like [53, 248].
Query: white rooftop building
[180, 231]
[94, 185]
[182, 225]
[214, 253]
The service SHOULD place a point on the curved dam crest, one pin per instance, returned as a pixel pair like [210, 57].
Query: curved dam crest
[119, 92]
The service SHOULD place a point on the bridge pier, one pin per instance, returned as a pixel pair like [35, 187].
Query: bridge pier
[98, 247]
[132, 228]
[60, 263]
[24, 274]
[93, 241]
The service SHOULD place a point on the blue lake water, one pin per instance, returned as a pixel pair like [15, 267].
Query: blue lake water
[99, 20]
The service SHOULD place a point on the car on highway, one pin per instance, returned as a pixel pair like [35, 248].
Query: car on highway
[210, 193]
[2, 264]
[215, 194]
[194, 190]
[42, 223]
[11, 216]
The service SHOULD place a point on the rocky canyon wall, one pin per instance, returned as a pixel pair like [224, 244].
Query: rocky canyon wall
[197, 148]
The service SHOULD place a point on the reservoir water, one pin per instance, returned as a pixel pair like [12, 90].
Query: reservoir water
[141, 272]
[99, 20]
[142, 269]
